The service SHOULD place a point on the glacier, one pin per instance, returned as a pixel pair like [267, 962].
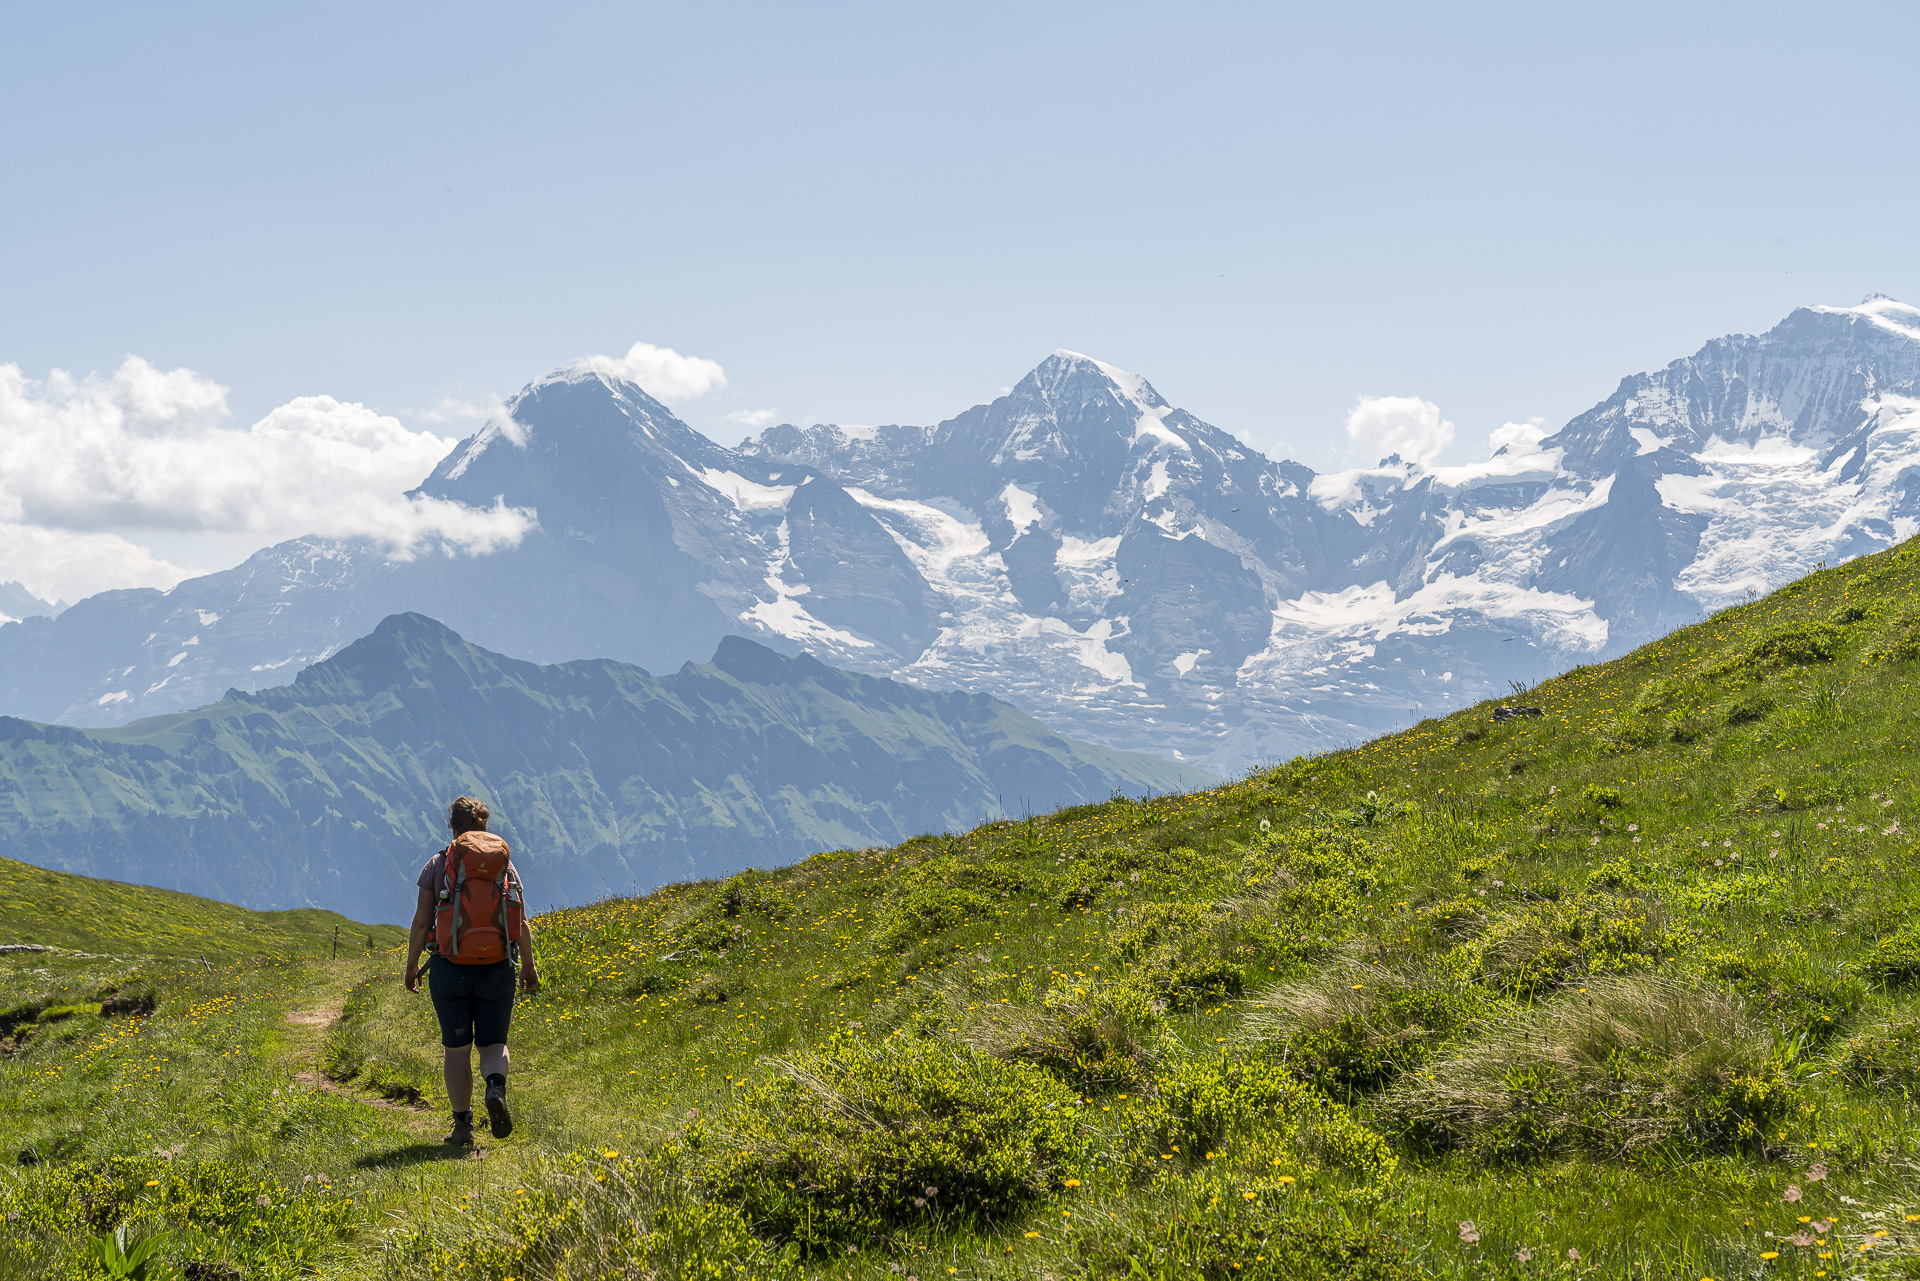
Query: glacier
[1083, 548]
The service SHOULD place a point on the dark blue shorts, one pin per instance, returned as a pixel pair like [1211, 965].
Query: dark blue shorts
[474, 1002]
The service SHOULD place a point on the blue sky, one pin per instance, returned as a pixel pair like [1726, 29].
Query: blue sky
[889, 212]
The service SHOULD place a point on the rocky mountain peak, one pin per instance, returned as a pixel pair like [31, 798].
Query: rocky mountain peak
[1085, 548]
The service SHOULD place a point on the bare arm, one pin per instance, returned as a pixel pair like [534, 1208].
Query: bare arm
[417, 935]
[529, 973]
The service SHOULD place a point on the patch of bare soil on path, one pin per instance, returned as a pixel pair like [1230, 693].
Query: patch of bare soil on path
[322, 1017]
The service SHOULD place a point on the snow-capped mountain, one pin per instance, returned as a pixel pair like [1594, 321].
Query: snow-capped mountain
[1085, 549]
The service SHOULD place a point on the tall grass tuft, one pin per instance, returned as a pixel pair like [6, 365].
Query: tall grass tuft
[1622, 1066]
[1353, 1028]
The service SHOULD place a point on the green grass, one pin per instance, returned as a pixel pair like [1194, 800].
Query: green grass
[80, 913]
[1625, 990]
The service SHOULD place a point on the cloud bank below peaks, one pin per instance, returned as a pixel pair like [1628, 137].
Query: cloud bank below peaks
[88, 463]
[661, 372]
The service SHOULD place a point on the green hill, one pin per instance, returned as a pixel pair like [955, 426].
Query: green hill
[1623, 989]
[79, 913]
[332, 790]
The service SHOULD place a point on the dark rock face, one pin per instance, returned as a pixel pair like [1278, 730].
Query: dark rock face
[863, 582]
[1085, 549]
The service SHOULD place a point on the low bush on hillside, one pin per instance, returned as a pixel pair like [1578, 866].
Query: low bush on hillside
[1097, 1035]
[1898, 643]
[1625, 734]
[1217, 1227]
[1749, 706]
[1353, 1028]
[858, 1139]
[1799, 644]
[1894, 961]
[1884, 1058]
[1529, 952]
[1624, 1066]
[927, 910]
[1182, 953]
[1804, 1003]
[601, 1214]
[1203, 1104]
[220, 1215]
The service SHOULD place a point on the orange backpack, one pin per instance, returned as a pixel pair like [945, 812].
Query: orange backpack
[481, 911]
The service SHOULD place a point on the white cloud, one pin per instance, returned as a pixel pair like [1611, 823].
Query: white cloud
[62, 564]
[661, 371]
[1518, 438]
[462, 409]
[754, 417]
[86, 461]
[1403, 425]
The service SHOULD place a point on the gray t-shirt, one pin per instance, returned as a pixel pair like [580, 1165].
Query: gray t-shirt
[434, 875]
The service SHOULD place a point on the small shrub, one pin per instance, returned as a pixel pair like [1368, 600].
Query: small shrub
[1789, 645]
[1752, 704]
[847, 1141]
[1663, 695]
[1688, 727]
[1596, 797]
[927, 910]
[1626, 734]
[1623, 873]
[751, 892]
[600, 1214]
[1097, 1035]
[1216, 1232]
[1355, 1028]
[1205, 1101]
[1475, 869]
[712, 932]
[1628, 1066]
[708, 989]
[654, 980]
[1805, 1005]
[219, 1205]
[1180, 952]
[1894, 961]
[1530, 952]
[1899, 643]
[1885, 1058]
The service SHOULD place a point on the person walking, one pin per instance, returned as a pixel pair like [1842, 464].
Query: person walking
[471, 916]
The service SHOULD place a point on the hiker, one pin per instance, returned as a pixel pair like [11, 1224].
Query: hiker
[471, 914]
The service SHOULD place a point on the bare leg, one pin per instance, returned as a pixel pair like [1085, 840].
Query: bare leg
[493, 1058]
[459, 1074]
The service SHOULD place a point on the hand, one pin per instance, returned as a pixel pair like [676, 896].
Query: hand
[529, 979]
[413, 977]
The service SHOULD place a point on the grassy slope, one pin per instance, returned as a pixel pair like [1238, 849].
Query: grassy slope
[83, 914]
[1618, 981]
[328, 790]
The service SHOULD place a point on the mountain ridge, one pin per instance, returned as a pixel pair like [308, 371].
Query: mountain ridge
[1085, 549]
[330, 791]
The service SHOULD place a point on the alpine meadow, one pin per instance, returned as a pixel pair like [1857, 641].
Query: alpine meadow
[1625, 988]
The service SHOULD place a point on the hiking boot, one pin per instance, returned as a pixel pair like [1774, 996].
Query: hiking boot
[462, 1133]
[498, 1117]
